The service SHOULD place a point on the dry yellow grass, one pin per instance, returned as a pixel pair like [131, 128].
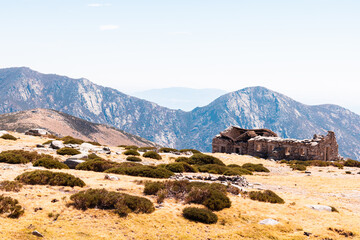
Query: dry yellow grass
[328, 186]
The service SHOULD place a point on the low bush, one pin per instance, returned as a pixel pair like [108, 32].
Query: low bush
[179, 167]
[133, 159]
[255, 167]
[152, 154]
[129, 147]
[212, 196]
[10, 186]
[266, 196]
[189, 150]
[121, 203]
[8, 137]
[237, 172]
[92, 156]
[352, 163]
[299, 167]
[96, 165]
[202, 159]
[212, 168]
[234, 166]
[131, 152]
[47, 142]
[71, 140]
[142, 171]
[10, 207]
[67, 151]
[20, 156]
[200, 215]
[45, 177]
[167, 150]
[94, 143]
[145, 149]
[50, 163]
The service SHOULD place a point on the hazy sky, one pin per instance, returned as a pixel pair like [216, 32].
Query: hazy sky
[306, 49]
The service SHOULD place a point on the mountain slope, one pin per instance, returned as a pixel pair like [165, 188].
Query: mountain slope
[63, 124]
[256, 107]
[180, 98]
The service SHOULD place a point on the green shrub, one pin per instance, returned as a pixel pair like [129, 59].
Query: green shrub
[212, 168]
[255, 167]
[183, 159]
[266, 196]
[67, 151]
[142, 171]
[189, 168]
[189, 150]
[200, 215]
[71, 140]
[20, 156]
[45, 177]
[217, 201]
[96, 165]
[8, 137]
[234, 166]
[131, 152]
[152, 154]
[202, 159]
[299, 167]
[49, 163]
[133, 159]
[94, 143]
[121, 203]
[10, 207]
[48, 142]
[92, 156]
[175, 167]
[144, 149]
[237, 171]
[212, 196]
[152, 188]
[10, 186]
[129, 147]
[351, 163]
[167, 150]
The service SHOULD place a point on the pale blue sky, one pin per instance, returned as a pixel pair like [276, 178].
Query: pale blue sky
[306, 49]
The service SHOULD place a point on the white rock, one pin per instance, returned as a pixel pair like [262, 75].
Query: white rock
[269, 221]
[86, 147]
[320, 207]
[3, 133]
[56, 144]
[113, 178]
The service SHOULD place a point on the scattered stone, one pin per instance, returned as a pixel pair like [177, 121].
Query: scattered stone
[320, 207]
[106, 149]
[112, 178]
[38, 209]
[234, 180]
[54, 200]
[269, 221]
[307, 172]
[36, 132]
[159, 206]
[40, 146]
[36, 233]
[307, 234]
[56, 144]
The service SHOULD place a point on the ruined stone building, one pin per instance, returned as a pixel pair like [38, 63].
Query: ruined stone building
[265, 143]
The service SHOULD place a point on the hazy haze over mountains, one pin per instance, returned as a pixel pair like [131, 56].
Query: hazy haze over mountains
[180, 98]
[253, 107]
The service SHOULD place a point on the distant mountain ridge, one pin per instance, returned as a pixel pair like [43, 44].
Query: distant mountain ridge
[63, 124]
[254, 107]
[182, 98]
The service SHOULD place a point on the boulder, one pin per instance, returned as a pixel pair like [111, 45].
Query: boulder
[72, 163]
[320, 207]
[36, 132]
[56, 144]
[86, 147]
[113, 178]
[269, 221]
[70, 145]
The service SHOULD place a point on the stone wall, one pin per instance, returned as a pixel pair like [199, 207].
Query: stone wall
[268, 145]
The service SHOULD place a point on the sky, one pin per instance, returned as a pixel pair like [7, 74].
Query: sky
[307, 49]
